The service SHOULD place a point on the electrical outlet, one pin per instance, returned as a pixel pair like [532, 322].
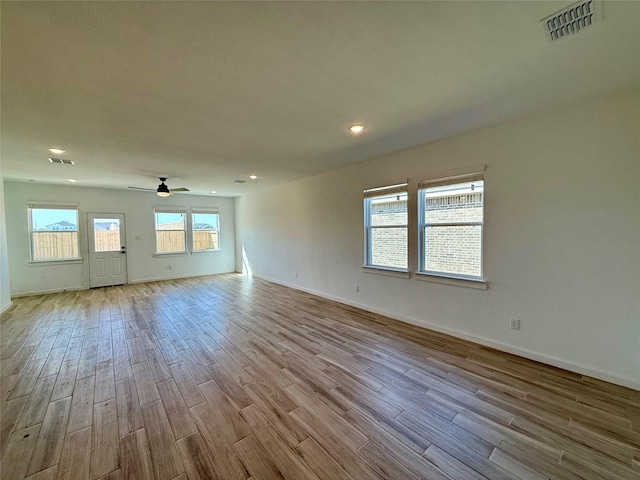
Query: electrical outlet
[169, 267]
[357, 288]
[515, 323]
[296, 274]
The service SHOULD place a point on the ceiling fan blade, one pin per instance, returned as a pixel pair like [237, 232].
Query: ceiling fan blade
[181, 189]
[142, 188]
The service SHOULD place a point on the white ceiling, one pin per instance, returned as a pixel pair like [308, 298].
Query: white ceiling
[209, 92]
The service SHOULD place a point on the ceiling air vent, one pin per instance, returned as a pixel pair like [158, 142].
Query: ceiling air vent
[572, 19]
[61, 161]
[239, 181]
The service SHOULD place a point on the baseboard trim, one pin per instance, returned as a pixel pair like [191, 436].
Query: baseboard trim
[178, 277]
[6, 307]
[520, 352]
[83, 287]
[46, 292]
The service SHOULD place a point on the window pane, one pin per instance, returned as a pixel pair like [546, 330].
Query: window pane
[169, 221]
[388, 247]
[168, 241]
[386, 228]
[389, 210]
[205, 221]
[54, 233]
[205, 240]
[106, 234]
[456, 250]
[458, 203]
[170, 232]
[205, 231]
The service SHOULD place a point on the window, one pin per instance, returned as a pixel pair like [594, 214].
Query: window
[170, 232]
[206, 231]
[54, 233]
[106, 234]
[385, 218]
[451, 224]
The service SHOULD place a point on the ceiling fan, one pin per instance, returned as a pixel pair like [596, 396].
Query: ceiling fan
[163, 189]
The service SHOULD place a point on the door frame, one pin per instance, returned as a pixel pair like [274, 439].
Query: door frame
[105, 211]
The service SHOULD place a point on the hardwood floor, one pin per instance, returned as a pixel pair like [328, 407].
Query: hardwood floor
[227, 377]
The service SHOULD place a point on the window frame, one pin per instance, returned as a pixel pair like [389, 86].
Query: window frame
[369, 195]
[206, 211]
[442, 180]
[180, 211]
[33, 206]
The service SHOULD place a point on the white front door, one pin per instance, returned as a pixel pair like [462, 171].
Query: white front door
[107, 249]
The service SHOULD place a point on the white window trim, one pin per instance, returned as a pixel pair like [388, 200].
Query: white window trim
[188, 232]
[449, 177]
[63, 261]
[369, 193]
[53, 206]
[170, 209]
[204, 210]
[210, 211]
[453, 280]
[390, 272]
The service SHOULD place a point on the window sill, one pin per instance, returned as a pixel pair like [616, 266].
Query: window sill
[170, 254]
[44, 263]
[207, 251]
[451, 280]
[391, 272]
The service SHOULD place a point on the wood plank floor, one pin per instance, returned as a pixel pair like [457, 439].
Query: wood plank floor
[228, 377]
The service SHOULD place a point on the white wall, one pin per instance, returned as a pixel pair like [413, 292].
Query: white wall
[142, 265]
[562, 238]
[5, 284]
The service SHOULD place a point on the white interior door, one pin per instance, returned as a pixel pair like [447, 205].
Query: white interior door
[107, 249]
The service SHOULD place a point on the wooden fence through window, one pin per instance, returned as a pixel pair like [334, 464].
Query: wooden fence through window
[55, 245]
[61, 245]
[173, 240]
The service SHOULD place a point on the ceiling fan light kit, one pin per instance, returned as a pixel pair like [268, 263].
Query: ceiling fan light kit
[163, 190]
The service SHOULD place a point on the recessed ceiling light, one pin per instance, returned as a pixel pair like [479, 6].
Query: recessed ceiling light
[57, 151]
[213, 191]
[253, 177]
[356, 128]
[72, 180]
